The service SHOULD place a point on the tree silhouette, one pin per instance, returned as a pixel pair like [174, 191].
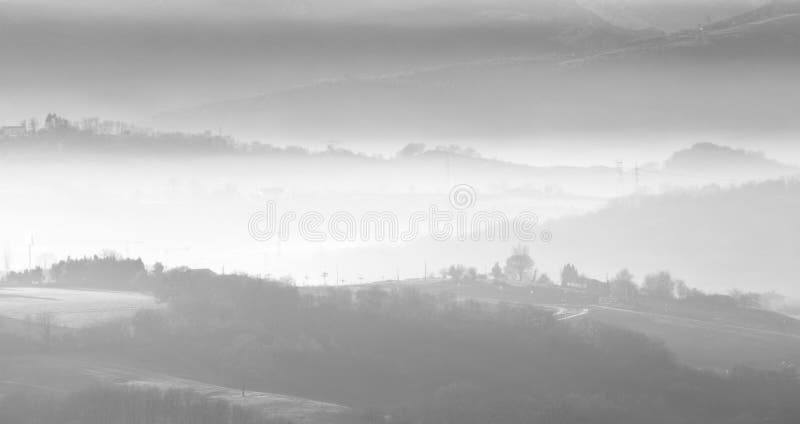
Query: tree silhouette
[497, 272]
[569, 275]
[519, 263]
[246, 357]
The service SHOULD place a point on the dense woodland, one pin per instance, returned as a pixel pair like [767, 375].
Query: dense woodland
[419, 358]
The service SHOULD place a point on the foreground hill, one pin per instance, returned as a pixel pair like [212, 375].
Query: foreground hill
[67, 373]
[411, 357]
[730, 336]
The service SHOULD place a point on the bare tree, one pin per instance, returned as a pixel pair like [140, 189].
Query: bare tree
[497, 272]
[519, 263]
[247, 357]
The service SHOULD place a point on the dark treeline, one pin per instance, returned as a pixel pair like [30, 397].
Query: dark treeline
[425, 359]
[108, 271]
[117, 404]
[92, 135]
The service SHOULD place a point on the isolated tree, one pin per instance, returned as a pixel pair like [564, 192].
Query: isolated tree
[519, 263]
[247, 357]
[682, 290]
[746, 300]
[158, 268]
[659, 286]
[471, 274]
[544, 280]
[6, 261]
[569, 275]
[457, 272]
[33, 125]
[497, 272]
[54, 122]
[623, 286]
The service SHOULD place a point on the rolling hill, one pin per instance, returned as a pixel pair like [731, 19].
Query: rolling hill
[712, 161]
[669, 16]
[716, 238]
[730, 79]
[131, 59]
[758, 337]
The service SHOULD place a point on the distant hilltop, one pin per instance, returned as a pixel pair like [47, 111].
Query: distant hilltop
[705, 158]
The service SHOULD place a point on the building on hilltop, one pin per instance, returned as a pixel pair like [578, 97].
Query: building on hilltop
[13, 131]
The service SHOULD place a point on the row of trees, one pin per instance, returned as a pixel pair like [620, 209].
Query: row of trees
[109, 271]
[662, 286]
[97, 135]
[56, 124]
[519, 267]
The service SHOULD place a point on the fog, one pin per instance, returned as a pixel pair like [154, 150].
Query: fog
[168, 209]
[399, 212]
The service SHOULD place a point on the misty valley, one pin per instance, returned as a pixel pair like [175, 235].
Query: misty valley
[399, 212]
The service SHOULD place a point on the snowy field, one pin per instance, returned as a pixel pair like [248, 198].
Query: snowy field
[71, 307]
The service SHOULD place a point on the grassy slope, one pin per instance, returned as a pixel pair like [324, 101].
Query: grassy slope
[64, 373]
[707, 344]
[702, 340]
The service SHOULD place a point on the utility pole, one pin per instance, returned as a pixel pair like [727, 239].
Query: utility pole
[447, 170]
[425, 275]
[30, 254]
[620, 177]
[6, 261]
[636, 186]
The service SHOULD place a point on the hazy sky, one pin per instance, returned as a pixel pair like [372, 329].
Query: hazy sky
[484, 73]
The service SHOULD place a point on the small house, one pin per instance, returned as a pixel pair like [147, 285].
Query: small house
[13, 131]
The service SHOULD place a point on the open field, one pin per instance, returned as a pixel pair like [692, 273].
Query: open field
[73, 308]
[60, 374]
